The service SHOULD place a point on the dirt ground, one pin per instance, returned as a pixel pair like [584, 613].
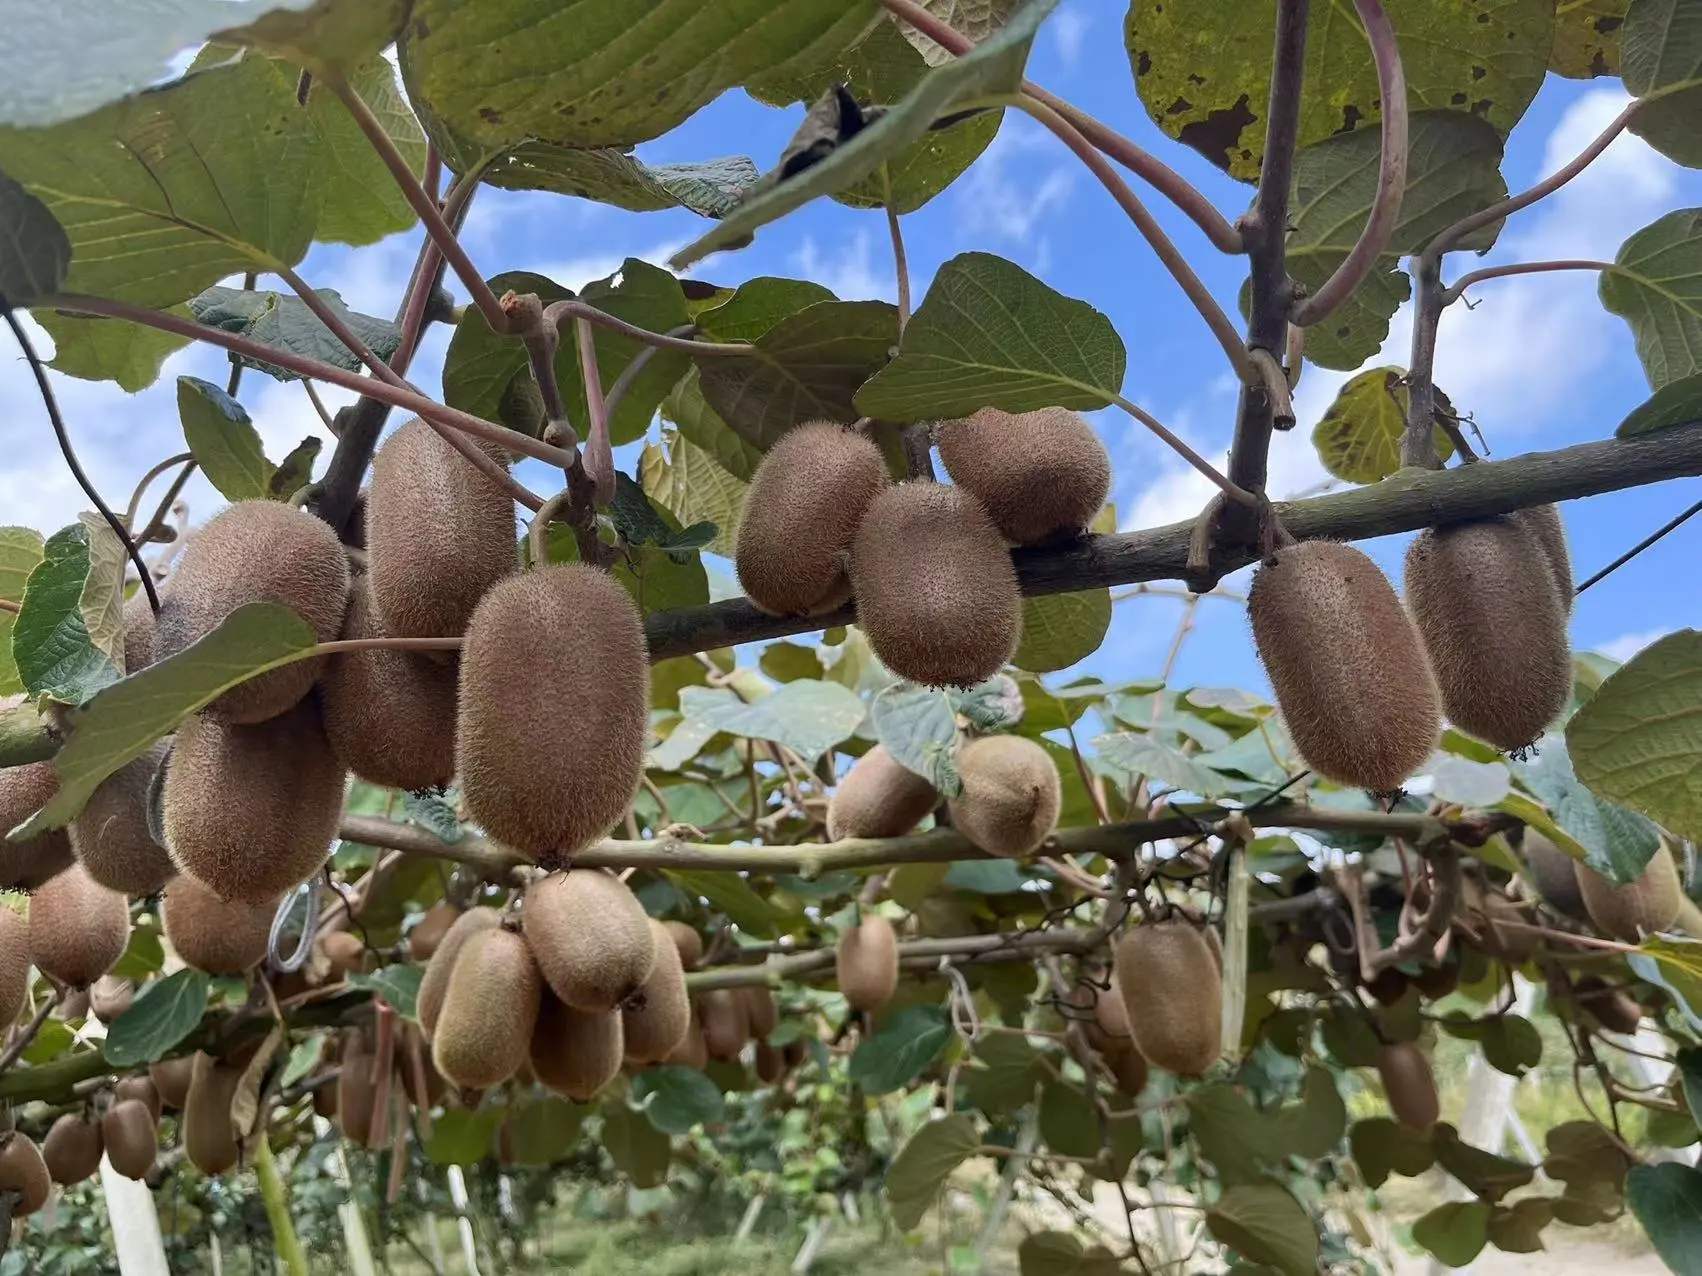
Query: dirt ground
[1565, 1258]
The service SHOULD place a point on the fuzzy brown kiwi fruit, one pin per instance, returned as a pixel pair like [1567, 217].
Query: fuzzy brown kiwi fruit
[1037, 473]
[23, 1171]
[1613, 1008]
[73, 1007]
[357, 1090]
[390, 715]
[1484, 599]
[489, 1010]
[251, 811]
[14, 965]
[434, 1086]
[770, 1063]
[937, 596]
[131, 1142]
[110, 996]
[256, 552]
[653, 1031]
[138, 632]
[78, 928]
[1173, 993]
[866, 963]
[800, 516]
[143, 1090]
[1409, 1085]
[435, 982]
[429, 931]
[110, 836]
[1108, 1030]
[1629, 912]
[762, 1013]
[592, 940]
[171, 1078]
[575, 1052]
[1347, 665]
[1011, 795]
[1129, 1069]
[545, 791]
[24, 790]
[439, 533]
[71, 1151]
[210, 934]
[1554, 874]
[691, 1052]
[345, 952]
[1388, 986]
[686, 941]
[726, 1023]
[1543, 522]
[879, 797]
[209, 1138]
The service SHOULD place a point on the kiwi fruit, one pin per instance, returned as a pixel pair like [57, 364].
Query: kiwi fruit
[325, 1101]
[726, 1023]
[1387, 986]
[1613, 1008]
[345, 952]
[131, 1141]
[439, 533]
[937, 595]
[1346, 663]
[435, 1085]
[866, 963]
[561, 644]
[171, 1078]
[251, 811]
[592, 940]
[1484, 598]
[686, 941]
[110, 996]
[138, 632]
[357, 1090]
[141, 1089]
[1038, 473]
[576, 1052]
[23, 1171]
[1011, 795]
[1544, 524]
[428, 1003]
[1409, 1085]
[73, 1007]
[24, 790]
[14, 965]
[390, 715]
[1437, 982]
[1552, 872]
[1108, 1029]
[212, 935]
[879, 797]
[1172, 992]
[209, 1137]
[110, 836]
[71, 1151]
[762, 1013]
[691, 1052]
[653, 1031]
[78, 928]
[770, 1063]
[1129, 1070]
[800, 515]
[256, 552]
[1627, 913]
[429, 931]
[489, 1010]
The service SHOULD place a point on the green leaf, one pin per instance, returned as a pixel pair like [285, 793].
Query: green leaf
[1059, 630]
[1690, 1074]
[1483, 1172]
[434, 811]
[166, 193]
[1265, 1223]
[1653, 287]
[1470, 783]
[1587, 38]
[143, 955]
[1004, 1075]
[1661, 59]
[701, 426]
[21, 549]
[223, 440]
[67, 638]
[1674, 964]
[1359, 437]
[638, 1149]
[1517, 1229]
[616, 177]
[687, 482]
[1676, 403]
[1667, 1200]
[543, 1131]
[918, 1174]
[398, 985]
[1204, 70]
[989, 334]
[35, 253]
[1144, 754]
[730, 894]
[902, 1050]
[461, 1136]
[1051, 1254]
[808, 716]
[757, 305]
[919, 728]
[806, 367]
[164, 1013]
[1381, 1147]
[295, 471]
[95, 349]
[119, 724]
[1617, 842]
[1511, 1044]
[479, 363]
[362, 201]
[992, 68]
[677, 1099]
[286, 323]
[331, 36]
[1456, 1232]
[649, 297]
[995, 705]
[1068, 1124]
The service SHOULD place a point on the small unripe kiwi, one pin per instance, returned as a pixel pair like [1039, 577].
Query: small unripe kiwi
[23, 1171]
[557, 645]
[71, 1151]
[24, 790]
[211, 934]
[1484, 598]
[345, 952]
[78, 928]
[1552, 871]
[1172, 992]
[357, 1090]
[209, 1137]
[256, 552]
[1388, 986]
[1038, 473]
[14, 965]
[1543, 523]
[110, 835]
[575, 1052]
[489, 1010]
[1129, 1069]
[653, 1031]
[428, 1004]
[1346, 663]
[439, 533]
[879, 797]
[592, 940]
[1629, 912]
[686, 941]
[435, 1086]
[131, 1141]
[800, 515]
[770, 1063]
[1613, 1008]
[937, 596]
[1108, 1031]
[726, 1023]
[110, 996]
[1409, 1085]
[251, 811]
[143, 1090]
[691, 1052]
[171, 1078]
[73, 1007]
[1011, 795]
[866, 963]
[762, 1012]
[429, 931]
[390, 715]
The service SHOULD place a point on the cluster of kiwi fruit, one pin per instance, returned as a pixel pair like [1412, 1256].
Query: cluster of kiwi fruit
[928, 564]
[1363, 682]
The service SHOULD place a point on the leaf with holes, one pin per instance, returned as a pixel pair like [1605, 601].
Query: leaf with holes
[1661, 60]
[67, 637]
[164, 1012]
[1656, 287]
[1059, 630]
[1587, 38]
[1264, 1222]
[917, 1175]
[1359, 436]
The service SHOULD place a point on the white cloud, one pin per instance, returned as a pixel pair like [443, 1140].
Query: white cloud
[1626, 646]
[1069, 28]
[850, 272]
[576, 272]
[1002, 196]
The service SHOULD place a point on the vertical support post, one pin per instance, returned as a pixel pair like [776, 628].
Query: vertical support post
[135, 1224]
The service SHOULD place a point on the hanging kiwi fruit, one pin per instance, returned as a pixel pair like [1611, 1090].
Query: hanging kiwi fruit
[879, 797]
[1011, 795]
[1172, 991]
[1038, 474]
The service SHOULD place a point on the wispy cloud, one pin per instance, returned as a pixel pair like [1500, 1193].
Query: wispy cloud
[1010, 191]
[1626, 646]
[1069, 27]
[850, 272]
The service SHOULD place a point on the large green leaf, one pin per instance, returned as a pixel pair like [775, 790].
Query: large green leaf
[362, 201]
[1204, 69]
[223, 440]
[331, 37]
[1617, 842]
[95, 349]
[1675, 403]
[166, 193]
[1359, 436]
[1058, 630]
[1264, 1222]
[676, 1099]
[641, 294]
[164, 1013]
[703, 428]
[1456, 1232]
[686, 481]
[1587, 37]
[610, 176]
[910, 1040]
[460, 1136]
[1656, 287]
[1381, 1147]
[480, 363]
[989, 334]
[919, 1172]
[1661, 60]
[67, 638]
[35, 252]
[638, 1149]
[757, 305]
[397, 985]
[1144, 753]
[807, 716]
[1667, 1200]
[918, 726]
[543, 1131]
[285, 323]
[21, 549]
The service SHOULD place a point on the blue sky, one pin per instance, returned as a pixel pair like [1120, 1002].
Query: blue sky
[1538, 362]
